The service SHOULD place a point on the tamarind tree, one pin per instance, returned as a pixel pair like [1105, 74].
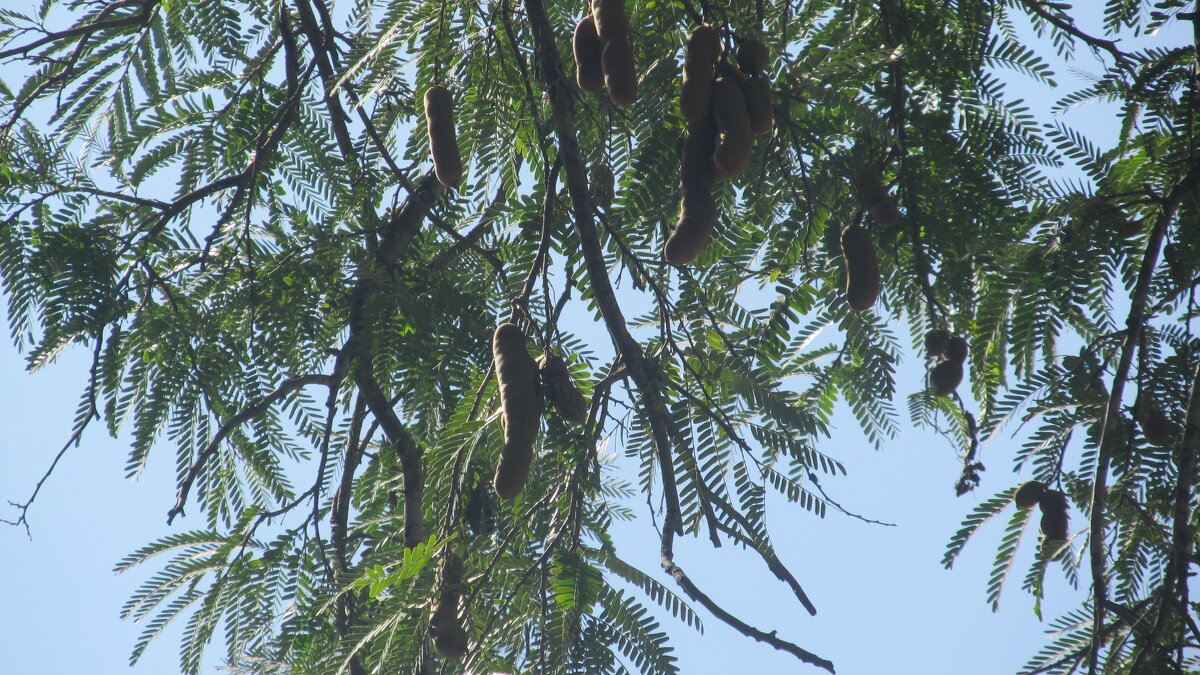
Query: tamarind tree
[231, 205]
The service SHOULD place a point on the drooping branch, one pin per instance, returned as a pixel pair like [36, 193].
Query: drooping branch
[583, 215]
[1134, 325]
[403, 225]
[1174, 593]
[629, 349]
[1064, 23]
[250, 412]
[742, 627]
[84, 33]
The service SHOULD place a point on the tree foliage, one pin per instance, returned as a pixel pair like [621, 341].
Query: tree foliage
[230, 205]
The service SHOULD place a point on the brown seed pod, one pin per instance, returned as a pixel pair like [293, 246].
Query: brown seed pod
[731, 71]
[479, 511]
[862, 267]
[936, 341]
[874, 196]
[1054, 515]
[735, 144]
[619, 74]
[560, 390]
[443, 142]
[702, 48]
[1028, 494]
[589, 74]
[757, 92]
[517, 374]
[956, 349]
[449, 635]
[885, 213]
[697, 220]
[696, 171]
[945, 377]
[1156, 426]
[1175, 267]
[752, 56]
[602, 184]
[612, 23]
[870, 187]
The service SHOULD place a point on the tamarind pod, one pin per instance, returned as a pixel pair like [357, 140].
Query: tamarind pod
[752, 56]
[945, 377]
[696, 170]
[602, 184]
[560, 390]
[612, 23]
[517, 375]
[732, 154]
[956, 349]
[697, 220]
[619, 74]
[862, 268]
[443, 142]
[731, 71]
[1028, 494]
[869, 184]
[1156, 427]
[452, 572]
[449, 636]
[936, 341]
[478, 513]
[701, 50]
[586, 45]
[1175, 268]
[695, 97]
[757, 92]
[885, 212]
[1054, 515]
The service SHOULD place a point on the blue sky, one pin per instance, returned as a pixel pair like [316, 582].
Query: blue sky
[885, 603]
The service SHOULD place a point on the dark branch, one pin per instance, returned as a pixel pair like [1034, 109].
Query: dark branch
[258, 408]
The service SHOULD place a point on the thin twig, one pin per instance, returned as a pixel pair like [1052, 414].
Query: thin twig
[250, 412]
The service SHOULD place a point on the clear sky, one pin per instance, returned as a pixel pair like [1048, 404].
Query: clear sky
[885, 603]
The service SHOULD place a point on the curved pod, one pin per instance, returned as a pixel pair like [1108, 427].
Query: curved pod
[619, 74]
[612, 23]
[945, 377]
[697, 220]
[517, 374]
[562, 393]
[753, 56]
[862, 267]
[735, 144]
[443, 141]
[586, 45]
[757, 92]
[701, 50]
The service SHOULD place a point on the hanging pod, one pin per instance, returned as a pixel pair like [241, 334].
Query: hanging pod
[735, 143]
[560, 391]
[862, 268]
[701, 51]
[586, 45]
[517, 375]
[443, 142]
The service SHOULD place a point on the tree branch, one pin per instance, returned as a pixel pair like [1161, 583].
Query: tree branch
[1065, 24]
[252, 411]
[593, 253]
[1134, 325]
